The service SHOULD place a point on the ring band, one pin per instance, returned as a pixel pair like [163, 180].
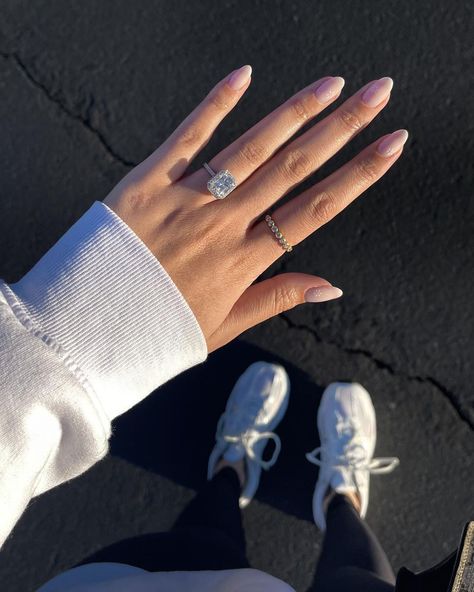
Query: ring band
[208, 169]
[278, 234]
[220, 184]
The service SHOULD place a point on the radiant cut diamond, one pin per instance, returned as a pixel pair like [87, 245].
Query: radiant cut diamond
[221, 184]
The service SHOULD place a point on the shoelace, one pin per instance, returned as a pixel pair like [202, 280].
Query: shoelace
[248, 439]
[377, 466]
[353, 453]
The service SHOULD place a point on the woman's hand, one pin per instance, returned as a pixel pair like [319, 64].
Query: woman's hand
[215, 249]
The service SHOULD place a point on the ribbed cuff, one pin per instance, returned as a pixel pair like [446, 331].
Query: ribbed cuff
[104, 299]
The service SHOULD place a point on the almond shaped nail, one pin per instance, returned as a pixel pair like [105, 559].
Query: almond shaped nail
[392, 143]
[240, 77]
[377, 92]
[329, 89]
[322, 294]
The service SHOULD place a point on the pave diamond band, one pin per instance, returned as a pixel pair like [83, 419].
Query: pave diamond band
[278, 234]
[220, 184]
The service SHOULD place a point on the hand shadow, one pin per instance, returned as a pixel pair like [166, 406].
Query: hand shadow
[172, 432]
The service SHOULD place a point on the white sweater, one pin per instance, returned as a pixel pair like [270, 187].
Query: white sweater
[92, 329]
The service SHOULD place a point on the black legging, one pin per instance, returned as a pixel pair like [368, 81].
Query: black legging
[208, 535]
[352, 558]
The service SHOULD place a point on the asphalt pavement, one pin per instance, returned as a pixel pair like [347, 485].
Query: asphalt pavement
[88, 89]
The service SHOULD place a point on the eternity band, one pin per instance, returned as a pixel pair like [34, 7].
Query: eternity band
[221, 183]
[278, 234]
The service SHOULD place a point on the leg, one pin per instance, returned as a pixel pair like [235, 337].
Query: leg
[207, 536]
[352, 559]
[216, 508]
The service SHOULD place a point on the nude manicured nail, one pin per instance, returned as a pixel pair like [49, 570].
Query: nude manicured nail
[329, 89]
[240, 77]
[392, 143]
[322, 294]
[377, 92]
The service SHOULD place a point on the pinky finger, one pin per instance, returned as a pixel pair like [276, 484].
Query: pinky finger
[301, 216]
[269, 298]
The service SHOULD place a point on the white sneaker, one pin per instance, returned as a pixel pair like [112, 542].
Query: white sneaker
[347, 431]
[255, 406]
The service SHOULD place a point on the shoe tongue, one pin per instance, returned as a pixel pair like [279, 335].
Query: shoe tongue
[342, 480]
[234, 452]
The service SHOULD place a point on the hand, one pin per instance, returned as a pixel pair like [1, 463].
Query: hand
[215, 249]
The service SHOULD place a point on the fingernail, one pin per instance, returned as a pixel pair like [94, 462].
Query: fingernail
[329, 89]
[240, 77]
[322, 294]
[377, 92]
[392, 143]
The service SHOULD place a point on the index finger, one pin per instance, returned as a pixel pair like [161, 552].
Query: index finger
[172, 158]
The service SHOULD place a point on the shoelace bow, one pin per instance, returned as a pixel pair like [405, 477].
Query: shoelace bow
[354, 456]
[248, 439]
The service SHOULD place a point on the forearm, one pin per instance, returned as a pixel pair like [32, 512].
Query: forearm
[93, 328]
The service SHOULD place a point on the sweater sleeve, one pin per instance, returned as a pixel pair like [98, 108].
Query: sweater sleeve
[93, 328]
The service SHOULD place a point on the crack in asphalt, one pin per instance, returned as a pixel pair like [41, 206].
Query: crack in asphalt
[383, 365]
[84, 121]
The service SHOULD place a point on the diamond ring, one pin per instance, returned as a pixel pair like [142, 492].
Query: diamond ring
[221, 183]
[278, 234]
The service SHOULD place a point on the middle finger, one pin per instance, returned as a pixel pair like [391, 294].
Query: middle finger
[253, 148]
[305, 155]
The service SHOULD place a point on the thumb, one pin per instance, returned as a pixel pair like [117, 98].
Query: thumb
[269, 298]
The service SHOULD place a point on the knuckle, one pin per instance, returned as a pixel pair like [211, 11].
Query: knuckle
[191, 135]
[367, 170]
[284, 298]
[321, 208]
[349, 120]
[300, 110]
[252, 152]
[220, 100]
[295, 166]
